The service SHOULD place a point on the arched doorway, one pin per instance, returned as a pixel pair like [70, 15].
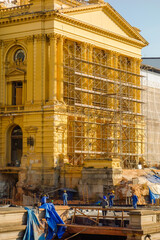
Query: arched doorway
[16, 146]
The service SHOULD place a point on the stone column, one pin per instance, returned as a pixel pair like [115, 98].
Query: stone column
[134, 79]
[2, 82]
[138, 83]
[30, 69]
[40, 68]
[53, 68]
[1, 99]
[114, 101]
[84, 82]
[90, 72]
[60, 68]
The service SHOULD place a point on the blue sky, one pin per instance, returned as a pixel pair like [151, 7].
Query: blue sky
[144, 14]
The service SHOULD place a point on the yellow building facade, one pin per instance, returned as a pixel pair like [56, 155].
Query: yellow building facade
[70, 92]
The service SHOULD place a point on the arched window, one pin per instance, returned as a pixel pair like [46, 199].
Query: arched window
[16, 66]
[16, 146]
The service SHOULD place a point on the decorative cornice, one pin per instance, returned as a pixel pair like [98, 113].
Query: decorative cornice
[122, 22]
[74, 2]
[76, 23]
[82, 8]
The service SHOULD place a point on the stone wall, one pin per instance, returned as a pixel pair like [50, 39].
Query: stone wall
[96, 182]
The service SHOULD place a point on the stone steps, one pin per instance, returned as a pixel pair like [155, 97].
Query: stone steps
[15, 232]
[13, 221]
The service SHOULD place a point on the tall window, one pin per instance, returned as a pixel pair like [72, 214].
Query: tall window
[16, 146]
[17, 93]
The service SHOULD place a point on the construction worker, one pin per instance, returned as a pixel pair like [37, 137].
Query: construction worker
[65, 198]
[134, 200]
[111, 197]
[44, 199]
[104, 203]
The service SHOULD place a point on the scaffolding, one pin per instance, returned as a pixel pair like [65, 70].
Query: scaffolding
[102, 91]
[151, 111]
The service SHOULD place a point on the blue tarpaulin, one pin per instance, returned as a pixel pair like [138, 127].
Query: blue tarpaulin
[154, 187]
[153, 196]
[33, 231]
[53, 219]
[153, 178]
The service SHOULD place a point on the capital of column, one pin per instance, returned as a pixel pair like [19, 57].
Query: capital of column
[91, 46]
[139, 61]
[114, 55]
[1, 43]
[85, 44]
[52, 35]
[30, 38]
[61, 37]
[40, 37]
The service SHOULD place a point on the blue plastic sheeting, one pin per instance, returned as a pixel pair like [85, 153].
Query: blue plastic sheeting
[98, 203]
[154, 187]
[33, 227]
[153, 178]
[53, 219]
[153, 196]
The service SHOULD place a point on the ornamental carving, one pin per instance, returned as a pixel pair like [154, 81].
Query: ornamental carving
[1, 43]
[40, 37]
[31, 129]
[30, 38]
[53, 35]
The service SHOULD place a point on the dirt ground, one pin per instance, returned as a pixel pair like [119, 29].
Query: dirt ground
[134, 181]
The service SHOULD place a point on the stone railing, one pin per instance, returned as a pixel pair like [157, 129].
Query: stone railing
[12, 11]
[13, 108]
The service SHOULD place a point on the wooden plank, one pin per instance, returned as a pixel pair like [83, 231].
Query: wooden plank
[100, 230]
[109, 209]
[87, 217]
[73, 217]
[101, 217]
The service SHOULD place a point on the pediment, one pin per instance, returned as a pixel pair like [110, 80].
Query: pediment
[31, 129]
[16, 72]
[106, 18]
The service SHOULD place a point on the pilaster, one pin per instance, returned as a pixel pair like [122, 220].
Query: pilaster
[138, 84]
[53, 67]
[114, 101]
[60, 68]
[2, 90]
[90, 72]
[84, 82]
[30, 69]
[134, 79]
[40, 68]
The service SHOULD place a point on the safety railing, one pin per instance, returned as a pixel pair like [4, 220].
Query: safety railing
[118, 214]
